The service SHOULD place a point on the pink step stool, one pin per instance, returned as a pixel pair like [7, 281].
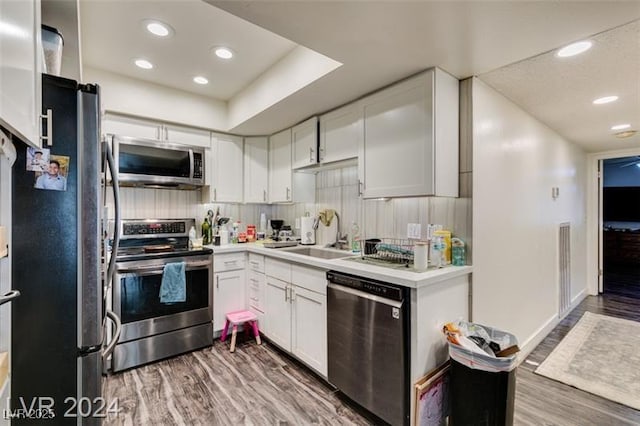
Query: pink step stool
[240, 317]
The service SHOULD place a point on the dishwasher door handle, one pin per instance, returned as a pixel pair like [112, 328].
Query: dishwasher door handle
[365, 295]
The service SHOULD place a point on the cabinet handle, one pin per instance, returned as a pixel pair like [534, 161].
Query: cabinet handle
[286, 294]
[218, 282]
[49, 117]
[215, 194]
[254, 263]
[292, 294]
[230, 262]
[288, 190]
[253, 280]
[321, 152]
[166, 133]
[264, 195]
[311, 151]
[360, 187]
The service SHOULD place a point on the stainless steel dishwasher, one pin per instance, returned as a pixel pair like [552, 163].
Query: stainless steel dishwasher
[367, 331]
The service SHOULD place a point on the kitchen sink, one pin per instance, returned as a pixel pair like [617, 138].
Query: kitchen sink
[317, 252]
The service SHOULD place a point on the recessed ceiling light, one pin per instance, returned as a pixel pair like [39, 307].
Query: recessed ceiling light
[620, 126]
[605, 100]
[200, 80]
[223, 52]
[574, 49]
[158, 28]
[626, 134]
[638, 165]
[144, 64]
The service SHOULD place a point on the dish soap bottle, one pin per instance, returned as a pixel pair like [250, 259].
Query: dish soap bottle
[355, 238]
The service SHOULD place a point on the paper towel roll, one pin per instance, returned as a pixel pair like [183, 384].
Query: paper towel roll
[420, 255]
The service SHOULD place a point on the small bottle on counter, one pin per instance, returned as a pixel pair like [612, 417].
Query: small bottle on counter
[457, 252]
[192, 236]
[206, 232]
[355, 238]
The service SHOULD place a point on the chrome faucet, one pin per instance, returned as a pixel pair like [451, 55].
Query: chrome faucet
[341, 241]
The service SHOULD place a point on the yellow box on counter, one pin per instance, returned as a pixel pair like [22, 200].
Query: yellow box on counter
[446, 238]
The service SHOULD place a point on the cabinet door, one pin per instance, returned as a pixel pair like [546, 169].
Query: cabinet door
[277, 316]
[340, 134]
[227, 163]
[305, 143]
[187, 136]
[256, 169]
[309, 328]
[280, 167]
[398, 140]
[228, 296]
[132, 127]
[20, 69]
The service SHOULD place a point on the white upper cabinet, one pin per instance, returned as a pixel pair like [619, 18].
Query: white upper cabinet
[20, 69]
[187, 135]
[284, 185]
[305, 143]
[224, 170]
[410, 144]
[256, 169]
[280, 188]
[340, 134]
[148, 129]
[133, 127]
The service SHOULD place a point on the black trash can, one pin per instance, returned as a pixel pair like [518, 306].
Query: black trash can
[482, 388]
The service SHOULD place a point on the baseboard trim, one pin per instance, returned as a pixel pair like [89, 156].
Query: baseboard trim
[534, 340]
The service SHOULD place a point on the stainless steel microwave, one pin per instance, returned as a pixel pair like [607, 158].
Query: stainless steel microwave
[157, 164]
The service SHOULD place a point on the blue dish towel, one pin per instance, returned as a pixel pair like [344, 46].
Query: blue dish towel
[174, 283]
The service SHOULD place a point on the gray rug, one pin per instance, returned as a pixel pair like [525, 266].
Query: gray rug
[600, 355]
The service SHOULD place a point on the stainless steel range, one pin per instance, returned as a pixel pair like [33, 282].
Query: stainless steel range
[152, 330]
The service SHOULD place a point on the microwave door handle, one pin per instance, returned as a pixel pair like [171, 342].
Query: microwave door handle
[116, 225]
[191, 164]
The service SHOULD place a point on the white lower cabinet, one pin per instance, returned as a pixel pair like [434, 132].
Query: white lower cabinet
[296, 312]
[278, 313]
[229, 284]
[309, 328]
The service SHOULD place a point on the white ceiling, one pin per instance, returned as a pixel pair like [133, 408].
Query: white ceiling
[380, 42]
[559, 91]
[113, 35]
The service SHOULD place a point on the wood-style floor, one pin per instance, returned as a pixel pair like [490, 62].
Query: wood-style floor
[257, 385]
[622, 280]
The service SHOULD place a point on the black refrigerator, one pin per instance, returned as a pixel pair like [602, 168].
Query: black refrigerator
[57, 262]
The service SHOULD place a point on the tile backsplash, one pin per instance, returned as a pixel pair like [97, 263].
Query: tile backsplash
[335, 189]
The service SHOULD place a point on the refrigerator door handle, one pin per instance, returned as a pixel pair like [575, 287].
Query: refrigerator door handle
[13, 294]
[116, 335]
[116, 202]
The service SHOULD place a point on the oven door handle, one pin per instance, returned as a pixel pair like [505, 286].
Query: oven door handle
[159, 269]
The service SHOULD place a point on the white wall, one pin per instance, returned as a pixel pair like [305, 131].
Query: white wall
[516, 162]
[136, 97]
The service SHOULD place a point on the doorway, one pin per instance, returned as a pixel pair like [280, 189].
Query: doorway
[620, 210]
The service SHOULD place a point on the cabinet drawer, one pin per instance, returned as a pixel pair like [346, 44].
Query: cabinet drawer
[228, 262]
[256, 262]
[278, 269]
[310, 278]
[256, 284]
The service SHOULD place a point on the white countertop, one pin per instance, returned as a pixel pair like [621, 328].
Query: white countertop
[405, 278]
